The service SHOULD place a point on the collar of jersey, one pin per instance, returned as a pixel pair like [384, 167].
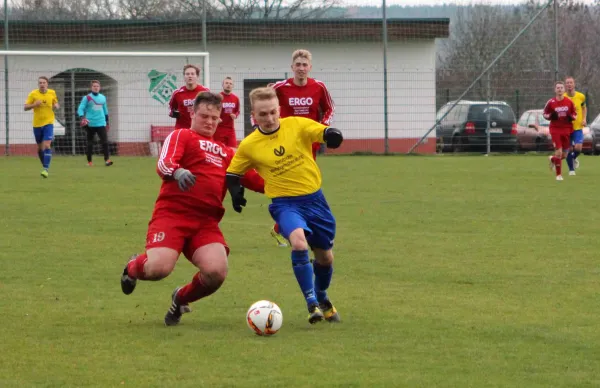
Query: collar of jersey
[269, 133]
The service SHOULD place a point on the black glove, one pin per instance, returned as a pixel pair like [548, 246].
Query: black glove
[237, 192]
[333, 137]
[174, 114]
[185, 179]
[553, 116]
[570, 118]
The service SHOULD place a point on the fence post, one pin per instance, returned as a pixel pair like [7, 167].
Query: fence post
[517, 103]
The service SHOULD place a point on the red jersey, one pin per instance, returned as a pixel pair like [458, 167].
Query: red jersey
[182, 101]
[311, 100]
[564, 109]
[231, 104]
[208, 160]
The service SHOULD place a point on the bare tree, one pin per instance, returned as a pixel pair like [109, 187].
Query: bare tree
[260, 9]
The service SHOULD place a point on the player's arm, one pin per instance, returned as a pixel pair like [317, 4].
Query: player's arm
[240, 164]
[320, 133]
[31, 102]
[81, 110]
[55, 103]
[252, 181]
[584, 112]
[105, 110]
[327, 106]
[549, 112]
[236, 112]
[169, 167]
[173, 108]
[572, 116]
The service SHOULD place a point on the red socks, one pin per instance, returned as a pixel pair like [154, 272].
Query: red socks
[276, 228]
[135, 268]
[195, 290]
[558, 163]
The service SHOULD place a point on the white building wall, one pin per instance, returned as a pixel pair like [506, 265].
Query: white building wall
[353, 73]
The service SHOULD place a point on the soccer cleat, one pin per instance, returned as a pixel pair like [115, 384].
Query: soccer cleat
[559, 178]
[176, 310]
[127, 283]
[329, 311]
[314, 314]
[576, 164]
[90, 164]
[572, 173]
[44, 173]
[108, 163]
[552, 166]
[281, 242]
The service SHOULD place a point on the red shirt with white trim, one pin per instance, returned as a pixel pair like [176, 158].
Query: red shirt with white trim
[182, 100]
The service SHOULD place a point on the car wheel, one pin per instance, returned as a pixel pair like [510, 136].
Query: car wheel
[538, 144]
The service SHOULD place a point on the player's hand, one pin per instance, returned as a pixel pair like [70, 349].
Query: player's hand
[570, 118]
[107, 127]
[238, 200]
[233, 117]
[84, 122]
[56, 106]
[553, 116]
[185, 179]
[174, 114]
[37, 103]
[584, 123]
[333, 137]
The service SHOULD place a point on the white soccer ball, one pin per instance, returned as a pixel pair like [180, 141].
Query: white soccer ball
[264, 318]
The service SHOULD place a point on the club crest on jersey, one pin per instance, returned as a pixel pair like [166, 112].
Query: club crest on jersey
[213, 148]
[279, 151]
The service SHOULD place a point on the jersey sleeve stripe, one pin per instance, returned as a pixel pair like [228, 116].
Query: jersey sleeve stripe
[327, 118]
[279, 84]
[165, 153]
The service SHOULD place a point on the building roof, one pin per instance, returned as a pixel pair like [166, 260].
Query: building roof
[251, 31]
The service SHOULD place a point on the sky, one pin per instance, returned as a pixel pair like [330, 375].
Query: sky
[431, 2]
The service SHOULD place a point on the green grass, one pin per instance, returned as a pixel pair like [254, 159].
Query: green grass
[450, 272]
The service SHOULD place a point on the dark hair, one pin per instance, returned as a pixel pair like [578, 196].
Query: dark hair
[192, 67]
[208, 98]
[95, 81]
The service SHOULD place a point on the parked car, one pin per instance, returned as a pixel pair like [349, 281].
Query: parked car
[533, 133]
[595, 130]
[465, 127]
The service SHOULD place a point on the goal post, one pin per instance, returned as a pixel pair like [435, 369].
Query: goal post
[137, 85]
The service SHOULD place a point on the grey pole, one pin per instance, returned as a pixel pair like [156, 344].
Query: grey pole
[556, 68]
[6, 94]
[73, 114]
[385, 82]
[488, 126]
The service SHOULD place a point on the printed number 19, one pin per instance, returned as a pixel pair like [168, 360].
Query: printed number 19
[158, 237]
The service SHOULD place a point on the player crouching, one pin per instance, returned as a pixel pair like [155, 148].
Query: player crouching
[561, 113]
[188, 210]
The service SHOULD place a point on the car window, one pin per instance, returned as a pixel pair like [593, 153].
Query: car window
[543, 120]
[442, 111]
[596, 120]
[531, 119]
[523, 119]
[497, 112]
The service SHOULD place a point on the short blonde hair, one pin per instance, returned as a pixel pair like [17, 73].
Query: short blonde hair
[301, 54]
[262, 94]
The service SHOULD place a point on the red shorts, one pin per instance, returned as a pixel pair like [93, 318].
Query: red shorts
[561, 140]
[183, 235]
[226, 136]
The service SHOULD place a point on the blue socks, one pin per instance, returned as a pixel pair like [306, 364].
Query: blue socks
[570, 161]
[576, 154]
[47, 158]
[304, 275]
[322, 280]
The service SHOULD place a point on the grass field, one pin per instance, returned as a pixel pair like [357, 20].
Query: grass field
[450, 272]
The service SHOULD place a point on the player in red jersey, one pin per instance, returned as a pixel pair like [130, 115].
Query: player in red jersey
[188, 210]
[181, 105]
[231, 110]
[306, 97]
[560, 110]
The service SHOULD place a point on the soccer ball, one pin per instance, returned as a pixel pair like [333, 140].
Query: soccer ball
[264, 318]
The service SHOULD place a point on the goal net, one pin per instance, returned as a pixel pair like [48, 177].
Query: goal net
[137, 86]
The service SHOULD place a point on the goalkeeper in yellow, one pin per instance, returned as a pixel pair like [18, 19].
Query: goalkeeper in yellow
[578, 124]
[281, 151]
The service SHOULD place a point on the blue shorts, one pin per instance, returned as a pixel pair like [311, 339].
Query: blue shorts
[309, 212]
[577, 137]
[44, 133]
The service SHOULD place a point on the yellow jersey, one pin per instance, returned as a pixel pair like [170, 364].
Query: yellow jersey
[283, 158]
[44, 113]
[579, 102]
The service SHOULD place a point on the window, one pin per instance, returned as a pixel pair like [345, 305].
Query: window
[497, 113]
